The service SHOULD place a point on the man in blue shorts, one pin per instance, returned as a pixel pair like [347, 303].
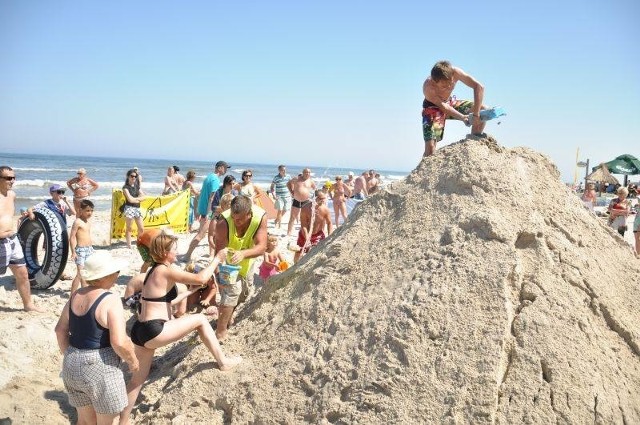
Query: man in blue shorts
[439, 105]
[282, 194]
[209, 186]
[11, 254]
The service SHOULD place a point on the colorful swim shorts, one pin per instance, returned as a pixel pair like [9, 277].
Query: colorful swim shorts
[10, 253]
[433, 119]
[82, 253]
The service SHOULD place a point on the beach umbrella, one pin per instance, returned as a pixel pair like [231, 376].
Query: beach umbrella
[624, 164]
[602, 175]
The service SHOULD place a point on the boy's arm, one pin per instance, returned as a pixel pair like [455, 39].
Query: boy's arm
[73, 240]
[478, 89]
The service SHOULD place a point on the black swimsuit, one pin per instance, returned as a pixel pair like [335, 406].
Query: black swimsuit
[143, 332]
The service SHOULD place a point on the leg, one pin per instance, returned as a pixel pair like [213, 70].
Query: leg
[24, 287]
[295, 213]
[343, 210]
[202, 231]
[86, 415]
[134, 285]
[127, 232]
[278, 222]
[177, 329]
[637, 237]
[336, 211]
[139, 225]
[145, 357]
[75, 284]
[429, 147]
[103, 419]
[225, 313]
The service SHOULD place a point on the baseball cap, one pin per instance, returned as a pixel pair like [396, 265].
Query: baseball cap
[56, 187]
[350, 173]
[222, 164]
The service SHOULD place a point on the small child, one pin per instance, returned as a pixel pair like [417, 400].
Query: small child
[272, 256]
[80, 241]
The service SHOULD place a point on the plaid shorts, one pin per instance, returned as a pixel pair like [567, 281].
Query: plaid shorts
[94, 378]
[10, 253]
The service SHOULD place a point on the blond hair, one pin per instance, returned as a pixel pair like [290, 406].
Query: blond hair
[161, 245]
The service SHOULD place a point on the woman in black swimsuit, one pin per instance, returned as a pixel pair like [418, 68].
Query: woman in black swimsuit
[155, 326]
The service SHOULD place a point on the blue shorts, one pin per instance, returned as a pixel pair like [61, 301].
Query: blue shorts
[82, 253]
[10, 253]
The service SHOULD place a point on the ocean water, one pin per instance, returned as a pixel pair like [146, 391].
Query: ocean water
[35, 173]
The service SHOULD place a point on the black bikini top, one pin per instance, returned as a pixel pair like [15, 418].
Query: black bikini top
[168, 297]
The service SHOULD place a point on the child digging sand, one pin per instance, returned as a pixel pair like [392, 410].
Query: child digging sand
[80, 241]
[272, 257]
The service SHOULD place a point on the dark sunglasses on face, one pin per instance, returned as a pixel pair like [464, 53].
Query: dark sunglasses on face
[133, 175]
[248, 175]
[60, 192]
[8, 178]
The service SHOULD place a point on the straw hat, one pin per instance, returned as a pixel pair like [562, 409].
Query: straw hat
[100, 264]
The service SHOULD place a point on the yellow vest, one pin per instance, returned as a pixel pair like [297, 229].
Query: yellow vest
[245, 242]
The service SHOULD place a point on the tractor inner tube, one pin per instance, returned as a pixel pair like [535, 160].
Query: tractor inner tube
[50, 232]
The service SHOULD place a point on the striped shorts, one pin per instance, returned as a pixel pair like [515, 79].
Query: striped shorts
[94, 378]
[10, 253]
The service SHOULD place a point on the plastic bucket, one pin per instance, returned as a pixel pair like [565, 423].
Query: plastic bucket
[228, 274]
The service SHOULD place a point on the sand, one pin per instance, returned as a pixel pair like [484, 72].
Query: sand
[457, 296]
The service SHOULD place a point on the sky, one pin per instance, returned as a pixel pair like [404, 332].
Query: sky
[333, 83]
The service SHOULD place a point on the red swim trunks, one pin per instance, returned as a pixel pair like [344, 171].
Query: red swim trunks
[315, 238]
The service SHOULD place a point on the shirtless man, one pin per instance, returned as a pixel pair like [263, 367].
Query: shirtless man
[11, 254]
[372, 183]
[439, 105]
[300, 188]
[360, 187]
[179, 178]
[321, 219]
[350, 180]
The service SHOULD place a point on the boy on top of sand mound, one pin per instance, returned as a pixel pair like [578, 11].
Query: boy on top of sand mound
[439, 105]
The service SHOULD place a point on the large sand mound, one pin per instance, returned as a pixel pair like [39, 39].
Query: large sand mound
[478, 290]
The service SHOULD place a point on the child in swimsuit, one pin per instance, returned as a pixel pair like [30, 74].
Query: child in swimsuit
[80, 242]
[272, 257]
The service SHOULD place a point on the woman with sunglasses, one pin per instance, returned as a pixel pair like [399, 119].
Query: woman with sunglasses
[81, 186]
[156, 326]
[133, 196]
[246, 186]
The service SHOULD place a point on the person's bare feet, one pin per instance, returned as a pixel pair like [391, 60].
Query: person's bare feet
[32, 308]
[221, 337]
[230, 363]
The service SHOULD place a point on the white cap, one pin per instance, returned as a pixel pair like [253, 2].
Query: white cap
[350, 174]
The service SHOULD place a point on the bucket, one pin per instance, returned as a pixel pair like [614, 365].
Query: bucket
[228, 274]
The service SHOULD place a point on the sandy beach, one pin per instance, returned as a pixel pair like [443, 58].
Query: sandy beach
[452, 296]
[31, 390]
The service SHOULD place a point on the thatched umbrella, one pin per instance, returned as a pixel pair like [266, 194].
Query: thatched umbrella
[602, 175]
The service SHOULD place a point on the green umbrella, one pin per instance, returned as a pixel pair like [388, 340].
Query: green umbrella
[623, 164]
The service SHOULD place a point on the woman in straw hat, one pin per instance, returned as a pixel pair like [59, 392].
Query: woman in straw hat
[155, 326]
[92, 336]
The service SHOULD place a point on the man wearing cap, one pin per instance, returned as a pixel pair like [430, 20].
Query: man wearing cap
[209, 186]
[58, 204]
[350, 181]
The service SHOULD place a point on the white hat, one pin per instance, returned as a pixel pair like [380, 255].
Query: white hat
[350, 173]
[100, 264]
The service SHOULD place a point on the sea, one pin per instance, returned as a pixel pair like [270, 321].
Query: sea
[35, 173]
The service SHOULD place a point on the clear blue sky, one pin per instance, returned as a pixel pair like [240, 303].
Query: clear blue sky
[335, 83]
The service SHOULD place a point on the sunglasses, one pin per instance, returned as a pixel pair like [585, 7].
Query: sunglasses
[133, 175]
[59, 192]
[8, 178]
[248, 175]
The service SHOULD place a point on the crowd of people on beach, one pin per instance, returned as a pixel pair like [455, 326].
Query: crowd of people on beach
[91, 330]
